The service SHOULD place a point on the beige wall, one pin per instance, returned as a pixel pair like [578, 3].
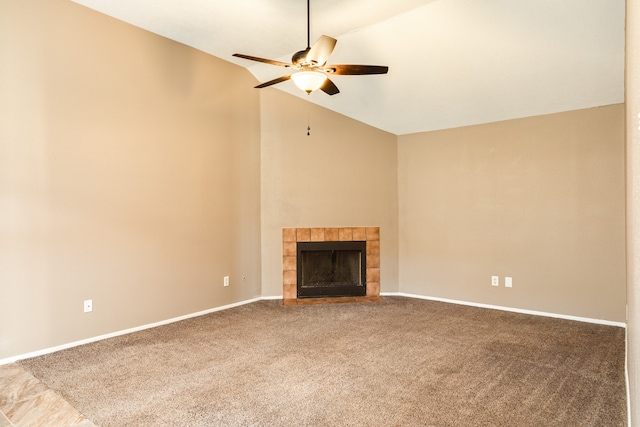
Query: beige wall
[137, 172]
[129, 174]
[344, 174]
[632, 97]
[539, 199]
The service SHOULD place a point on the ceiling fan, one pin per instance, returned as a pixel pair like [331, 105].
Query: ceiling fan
[311, 69]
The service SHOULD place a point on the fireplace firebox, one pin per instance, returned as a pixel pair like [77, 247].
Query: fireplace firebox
[331, 269]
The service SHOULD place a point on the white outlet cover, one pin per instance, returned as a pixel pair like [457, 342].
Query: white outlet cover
[88, 306]
[495, 280]
[508, 282]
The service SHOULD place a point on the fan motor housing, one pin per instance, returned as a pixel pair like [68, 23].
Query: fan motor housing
[300, 58]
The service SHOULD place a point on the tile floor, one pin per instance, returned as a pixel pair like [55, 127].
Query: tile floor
[25, 401]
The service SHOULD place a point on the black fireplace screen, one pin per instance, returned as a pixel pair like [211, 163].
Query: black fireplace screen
[328, 269]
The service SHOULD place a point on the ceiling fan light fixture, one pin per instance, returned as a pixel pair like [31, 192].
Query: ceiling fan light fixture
[309, 81]
[310, 65]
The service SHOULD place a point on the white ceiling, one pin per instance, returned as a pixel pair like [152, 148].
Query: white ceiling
[451, 62]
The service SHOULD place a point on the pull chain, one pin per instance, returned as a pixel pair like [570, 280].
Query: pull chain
[308, 120]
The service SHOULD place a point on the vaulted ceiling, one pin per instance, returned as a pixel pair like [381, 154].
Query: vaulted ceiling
[451, 62]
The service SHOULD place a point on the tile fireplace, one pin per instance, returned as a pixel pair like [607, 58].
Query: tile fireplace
[366, 237]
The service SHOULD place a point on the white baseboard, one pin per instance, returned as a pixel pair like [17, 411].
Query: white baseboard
[626, 375]
[514, 310]
[123, 332]
[272, 297]
[276, 297]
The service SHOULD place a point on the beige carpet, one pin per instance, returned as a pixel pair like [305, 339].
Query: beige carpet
[401, 362]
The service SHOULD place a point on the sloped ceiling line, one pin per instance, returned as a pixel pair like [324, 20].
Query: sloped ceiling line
[451, 63]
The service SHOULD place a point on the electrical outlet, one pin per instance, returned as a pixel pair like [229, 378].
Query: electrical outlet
[88, 305]
[508, 282]
[226, 280]
[495, 281]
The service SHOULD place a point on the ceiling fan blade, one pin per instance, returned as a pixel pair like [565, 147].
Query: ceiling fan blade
[266, 61]
[329, 87]
[357, 70]
[273, 82]
[320, 51]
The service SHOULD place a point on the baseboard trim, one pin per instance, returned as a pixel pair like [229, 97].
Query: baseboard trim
[514, 310]
[626, 374]
[37, 353]
[123, 332]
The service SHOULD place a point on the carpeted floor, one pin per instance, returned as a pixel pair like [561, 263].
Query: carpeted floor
[401, 362]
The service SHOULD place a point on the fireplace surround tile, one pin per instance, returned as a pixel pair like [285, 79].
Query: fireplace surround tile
[317, 234]
[289, 292]
[373, 289]
[373, 260]
[290, 237]
[289, 277]
[288, 234]
[289, 248]
[373, 233]
[303, 234]
[289, 263]
[359, 233]
[373, 275]
[331, 235]
[345, 234]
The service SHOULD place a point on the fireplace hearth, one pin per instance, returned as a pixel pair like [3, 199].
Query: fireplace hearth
[357, 263]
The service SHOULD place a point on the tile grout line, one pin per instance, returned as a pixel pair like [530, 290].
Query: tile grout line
[5, 420]
[34, 402]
